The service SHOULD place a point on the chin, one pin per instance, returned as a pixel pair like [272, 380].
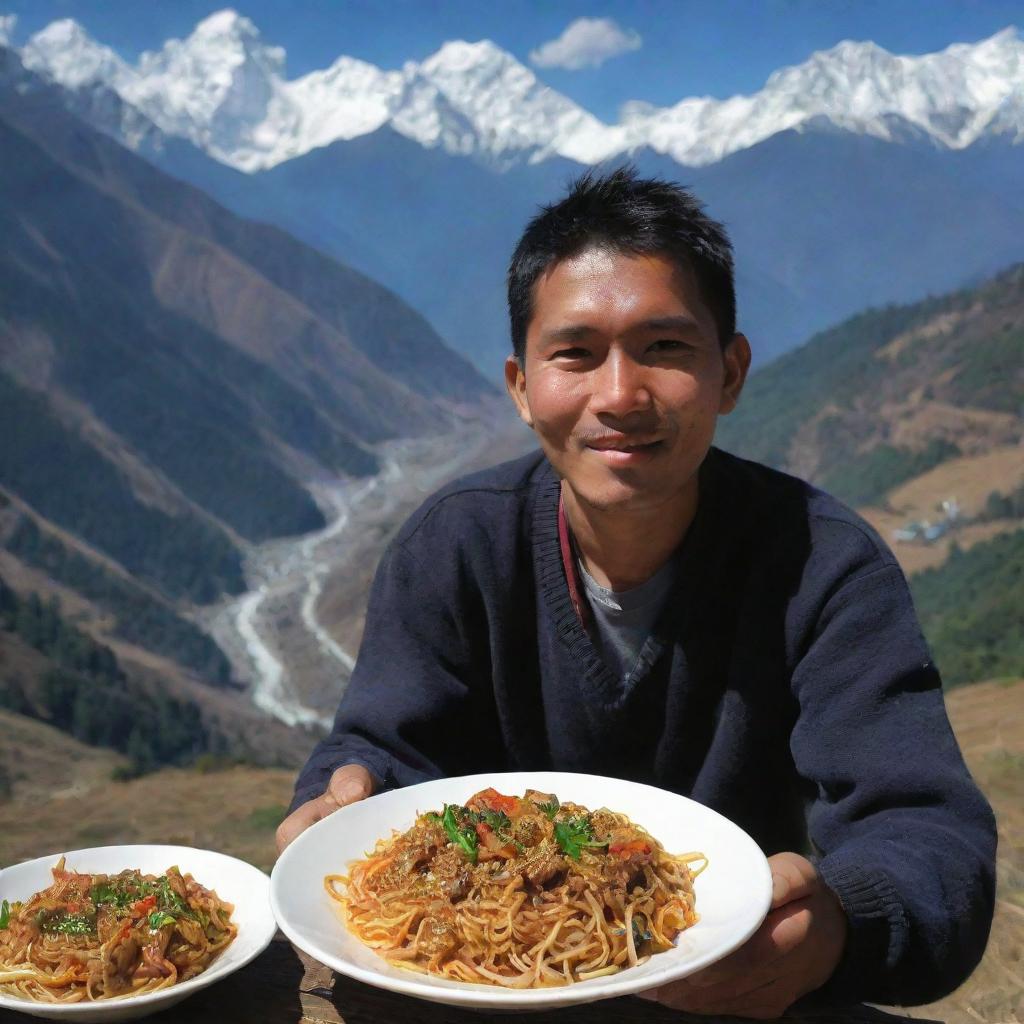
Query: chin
[619, 497]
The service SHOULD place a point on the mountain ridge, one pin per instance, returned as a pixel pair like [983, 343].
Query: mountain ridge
[225, 90]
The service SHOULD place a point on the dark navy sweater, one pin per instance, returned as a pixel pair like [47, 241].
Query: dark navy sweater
[786, 684]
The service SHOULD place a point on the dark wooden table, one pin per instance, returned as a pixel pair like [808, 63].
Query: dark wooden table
[284, 986]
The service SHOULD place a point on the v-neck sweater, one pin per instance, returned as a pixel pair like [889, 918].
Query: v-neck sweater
[786, 684]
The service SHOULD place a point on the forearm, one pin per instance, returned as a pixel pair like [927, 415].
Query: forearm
[906, 840]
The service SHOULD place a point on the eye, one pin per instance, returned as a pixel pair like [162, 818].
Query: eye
[668, 345]
[570, 354]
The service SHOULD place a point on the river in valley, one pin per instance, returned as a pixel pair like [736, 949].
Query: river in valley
[296, 669]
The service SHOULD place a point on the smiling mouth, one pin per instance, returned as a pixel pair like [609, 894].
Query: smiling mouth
[626, 455]
[618, 450]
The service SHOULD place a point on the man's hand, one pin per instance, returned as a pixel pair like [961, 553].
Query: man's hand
[348, 784]
[794, 952]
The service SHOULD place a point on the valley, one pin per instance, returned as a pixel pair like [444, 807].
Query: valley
[293, 635]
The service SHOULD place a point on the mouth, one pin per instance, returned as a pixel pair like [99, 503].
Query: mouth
[621, 451]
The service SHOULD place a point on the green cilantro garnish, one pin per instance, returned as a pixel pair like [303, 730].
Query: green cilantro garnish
[499, 824]
[462, 835]
[159, 918]
[167, 898]
[575, 835]
[62, 922]
[498, 820]
[5, 914]
[551, 807]
[122, 894]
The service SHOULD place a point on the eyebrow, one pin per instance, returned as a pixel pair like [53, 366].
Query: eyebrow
[577, 332]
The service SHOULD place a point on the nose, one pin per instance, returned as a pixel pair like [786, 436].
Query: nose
[620, 386]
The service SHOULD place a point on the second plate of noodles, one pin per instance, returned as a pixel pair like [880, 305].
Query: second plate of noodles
[521, 890]
[114, 933]
[88, 937]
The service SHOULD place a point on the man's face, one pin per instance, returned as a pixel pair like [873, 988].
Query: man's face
[624, 377]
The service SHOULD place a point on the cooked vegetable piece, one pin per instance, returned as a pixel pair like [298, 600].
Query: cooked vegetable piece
[463, 836]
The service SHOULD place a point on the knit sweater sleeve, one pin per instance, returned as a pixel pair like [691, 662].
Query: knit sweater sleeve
[408, 699]
[904, 837]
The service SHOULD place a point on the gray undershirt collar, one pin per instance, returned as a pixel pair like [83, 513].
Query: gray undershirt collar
[625, 618]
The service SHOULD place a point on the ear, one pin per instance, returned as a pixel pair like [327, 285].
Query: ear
[515, 382]
[736, 356]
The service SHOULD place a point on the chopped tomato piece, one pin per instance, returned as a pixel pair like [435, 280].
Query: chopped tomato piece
[493, 800]
[143, 906]
[492, 844]
[626, 850]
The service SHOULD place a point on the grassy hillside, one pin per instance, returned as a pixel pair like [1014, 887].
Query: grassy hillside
[887, 395]
[73, 484]
[85, 692]
[972, 610]
[57, 794]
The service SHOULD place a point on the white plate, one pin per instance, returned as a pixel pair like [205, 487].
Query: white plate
[733, 893]
[233, 880]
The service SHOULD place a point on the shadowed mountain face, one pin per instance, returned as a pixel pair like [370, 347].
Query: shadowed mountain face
[173, 377]
[824, 222]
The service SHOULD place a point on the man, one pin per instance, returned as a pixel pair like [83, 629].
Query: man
[635, 602]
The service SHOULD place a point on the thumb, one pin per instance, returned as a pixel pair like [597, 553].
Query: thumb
[793, 878]
[348, 784]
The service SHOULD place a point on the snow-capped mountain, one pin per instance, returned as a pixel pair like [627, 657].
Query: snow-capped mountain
[225, 90]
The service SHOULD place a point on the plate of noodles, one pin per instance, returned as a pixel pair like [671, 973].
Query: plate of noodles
[119, 932]
[521, 890]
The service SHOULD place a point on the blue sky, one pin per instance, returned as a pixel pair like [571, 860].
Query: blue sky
[675, 48]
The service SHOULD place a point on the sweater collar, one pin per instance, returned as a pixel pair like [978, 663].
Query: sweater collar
[558, 582]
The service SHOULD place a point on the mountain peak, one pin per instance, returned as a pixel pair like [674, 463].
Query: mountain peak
[64, 51]
[460, 55]
[225, 22]
[223, 37]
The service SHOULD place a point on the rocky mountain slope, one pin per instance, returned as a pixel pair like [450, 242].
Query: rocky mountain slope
[176, 361]
[177, 385]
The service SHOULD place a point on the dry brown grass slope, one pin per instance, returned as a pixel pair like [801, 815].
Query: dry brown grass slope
[63, 798]
[969, 479]
[988, 719]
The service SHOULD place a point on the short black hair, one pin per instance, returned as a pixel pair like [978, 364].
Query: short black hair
[622, 212]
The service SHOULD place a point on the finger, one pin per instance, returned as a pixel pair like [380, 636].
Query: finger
[766, 1001]
[350, 783]
[745, 969]
[793, 878]
[300, 819]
